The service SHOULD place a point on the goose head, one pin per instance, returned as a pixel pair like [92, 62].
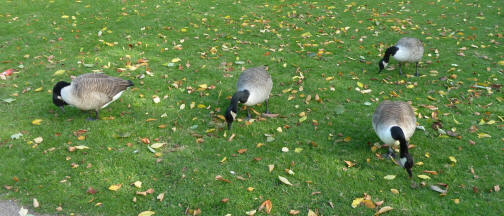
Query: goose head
[230, 116]
[382, 64]
[407, 163]
[57, 99]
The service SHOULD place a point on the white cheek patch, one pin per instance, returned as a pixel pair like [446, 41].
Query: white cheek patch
[59, 97]
[385, 64]
[233, 114]
[402, 161]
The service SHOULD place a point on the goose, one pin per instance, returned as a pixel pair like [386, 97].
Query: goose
[394, 122]
[91, 91]
[253, 87]
[406, 50]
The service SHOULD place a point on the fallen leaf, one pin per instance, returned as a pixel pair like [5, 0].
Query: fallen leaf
[423, 176]
[293, 212]
[452, 159]
[91, 190]
[267, 205]
[271, 167]
[356, 202]
[284, 180]
[251, 213]
[369, 204]
[311, 213]
[115, 187]
[220, 178]
[59, 72]
[35, 203]
[137, 184]
[241, 151]
[146, 213]
[37, 121]
[394, 191]
[389, 177]
[456, 201]
[383, 210]
[157, 145]
[437, 189]
[38, 140]
[81, 147]
[160, 196]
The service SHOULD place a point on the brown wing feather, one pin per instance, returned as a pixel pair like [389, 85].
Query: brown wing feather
[100, 83]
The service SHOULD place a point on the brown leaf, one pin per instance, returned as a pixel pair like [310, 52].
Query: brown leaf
[430, 172]
[91, 190]
[369, 204]
[383, 210]
[266, 205]
[293, 212]
[270, 115]
[220, 178]
[241, 151]
[225, 200]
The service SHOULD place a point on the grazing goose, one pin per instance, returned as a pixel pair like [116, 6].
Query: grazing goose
[406, 50]
[92, 91]
[253, 87]
[394, 121]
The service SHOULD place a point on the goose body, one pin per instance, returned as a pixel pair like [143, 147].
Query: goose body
[405, 50]
[253, 87]
[394, 122]
[92, 91]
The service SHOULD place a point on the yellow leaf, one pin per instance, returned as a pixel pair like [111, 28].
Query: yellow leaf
[423, 176]
[39, 89]
[37, 121]
[456, 201]
[81, 138]
[501, 63]
[146, 213]
[138, 184]
[306, 34]
[157, 145]
[115, 187]
[347, 139]
[298, 150]
[64, 17]
[483, 135]
[410, 86]
[250, 189]
[203, 86]
[383, 210]
[284, 180]
[223, 160]
[175, 60]
[427, 155]
[419, 163]
[360, 85]
[81, 147]
[311, 213]
[452, 159]
[302, 119]
[389, 177]
[356, 202]
[394, 191]
[59, 72]
[202, 106]
[221, 117]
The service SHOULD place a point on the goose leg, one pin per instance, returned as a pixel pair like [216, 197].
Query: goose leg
[248, 113]
[266, 102]
[95, 118]
[400, 68]
[416, 74]
[390, 153]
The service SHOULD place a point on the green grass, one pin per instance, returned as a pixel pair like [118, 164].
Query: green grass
[275, 34]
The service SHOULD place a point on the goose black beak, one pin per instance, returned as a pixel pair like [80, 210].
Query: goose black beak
[409, 172]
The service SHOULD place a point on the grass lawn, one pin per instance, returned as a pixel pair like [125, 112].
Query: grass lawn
[323, 59]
